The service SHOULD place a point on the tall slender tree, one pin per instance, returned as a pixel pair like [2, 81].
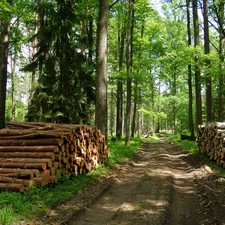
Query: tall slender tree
[119, 99]
[207, 74]
[129, 69]
[4, 49]
[198, 95]
[190, 99]
[101, 109]
[217, 13]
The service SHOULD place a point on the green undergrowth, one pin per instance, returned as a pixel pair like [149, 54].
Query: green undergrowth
[193, 149]
[15, 206]
[119, 152]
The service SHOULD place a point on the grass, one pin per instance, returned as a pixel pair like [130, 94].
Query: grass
[15, 206]
[120, 152]
[192, 147]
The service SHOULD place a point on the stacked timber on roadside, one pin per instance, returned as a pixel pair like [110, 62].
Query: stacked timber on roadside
[211, 141]
[33, 153]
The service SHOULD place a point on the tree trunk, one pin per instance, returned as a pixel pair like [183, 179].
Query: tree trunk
[221, 81]
[101, 114]
[13, 68]
[34, 50]
[191, 123]
[90, 43]
[220, 19]
[83, 32]
[174, 93]
[208, 76]
[197, 71]
[119, 99]
[4, 35]
[135, 109]
[129, 70]
[112, 113]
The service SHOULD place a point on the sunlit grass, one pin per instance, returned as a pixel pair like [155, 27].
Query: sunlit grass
[5, 215]
[119, 152]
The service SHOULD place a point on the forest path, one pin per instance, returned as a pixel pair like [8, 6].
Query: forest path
[163, 185]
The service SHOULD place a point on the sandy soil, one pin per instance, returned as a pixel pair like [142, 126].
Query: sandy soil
[163, 185]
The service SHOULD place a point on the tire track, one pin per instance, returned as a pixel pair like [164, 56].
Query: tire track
[157, 188]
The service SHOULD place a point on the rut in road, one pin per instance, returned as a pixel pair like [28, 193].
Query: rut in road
[156, 188]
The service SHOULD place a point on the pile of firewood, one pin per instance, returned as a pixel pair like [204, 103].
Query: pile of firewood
[211, 141]
[33, 153]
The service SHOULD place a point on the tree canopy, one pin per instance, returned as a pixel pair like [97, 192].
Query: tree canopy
[153, 78]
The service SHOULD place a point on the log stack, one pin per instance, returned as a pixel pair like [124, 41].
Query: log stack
[211, 141]
[33, 153]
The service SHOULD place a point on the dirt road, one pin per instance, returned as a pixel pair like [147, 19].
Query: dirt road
[163, 185]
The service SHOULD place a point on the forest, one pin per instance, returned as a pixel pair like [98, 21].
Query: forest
[130, 67]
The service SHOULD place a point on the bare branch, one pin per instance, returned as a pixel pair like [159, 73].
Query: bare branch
[114, 3]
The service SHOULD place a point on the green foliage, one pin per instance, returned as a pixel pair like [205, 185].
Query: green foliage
[20, 110]
[6, 215]
[65, 87]
[157, 115]
[119, 152]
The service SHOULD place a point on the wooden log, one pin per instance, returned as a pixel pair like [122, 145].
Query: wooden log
[36, 125]
[34, 134]
[26, 125]
[28, 183]
[52, 171]
[58, 157]
[50, 148]
[37, 155]
[24, 175]
[11, 132]
[20, 172]
[11, 187]
[219, 125]
[40, 180]
[31, 142]
[39, 166]
[46, 161]
[64, 171]
[85, 142]
[43, 179]
[53, 179]
[6, 179]
[56, 165]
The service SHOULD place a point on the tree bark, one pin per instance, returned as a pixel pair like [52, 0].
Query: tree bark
[198, 102]
[119, 98]
[101, 110]
[221, 81]
[134, 110]
[84, 32]
[208, 76]
[13, 68]
[4, 48]
[220, 19]
[34, 49]
[190, 106]
[129, 70]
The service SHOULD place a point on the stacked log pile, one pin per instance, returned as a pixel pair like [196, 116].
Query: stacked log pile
[211, 141]
[33, 153]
